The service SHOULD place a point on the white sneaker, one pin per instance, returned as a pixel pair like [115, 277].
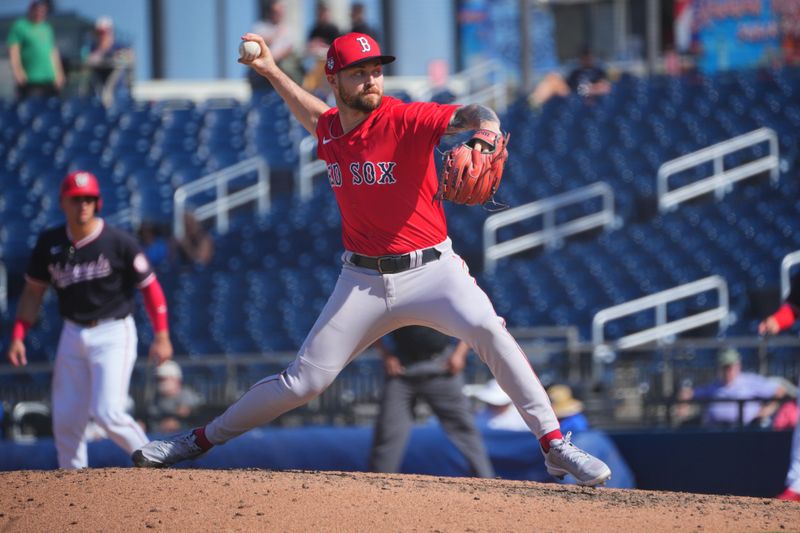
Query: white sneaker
[163, 453]
[566, 458]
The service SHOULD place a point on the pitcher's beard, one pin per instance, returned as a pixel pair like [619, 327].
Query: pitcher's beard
[360, 102]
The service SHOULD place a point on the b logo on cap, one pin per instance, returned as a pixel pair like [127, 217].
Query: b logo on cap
[330, 63]
[365, 47]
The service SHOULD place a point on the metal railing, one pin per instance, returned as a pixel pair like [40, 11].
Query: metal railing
[551, 232]
[634, 394]
[721, 178]
[3, 288]
[225, 200]
[658, 301]
[547, 344]
[790, 260]
[495, 94]
[309, 167]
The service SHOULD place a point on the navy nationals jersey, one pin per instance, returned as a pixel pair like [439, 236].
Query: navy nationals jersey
[95, 277]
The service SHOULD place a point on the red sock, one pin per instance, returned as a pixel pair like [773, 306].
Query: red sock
[201, 440]
[553, 435]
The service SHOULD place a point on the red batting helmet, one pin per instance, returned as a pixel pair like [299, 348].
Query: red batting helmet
[81, 183]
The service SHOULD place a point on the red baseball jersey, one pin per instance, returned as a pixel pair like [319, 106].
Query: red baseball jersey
[384, 176]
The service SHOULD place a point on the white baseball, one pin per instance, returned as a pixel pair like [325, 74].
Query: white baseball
[249, 50]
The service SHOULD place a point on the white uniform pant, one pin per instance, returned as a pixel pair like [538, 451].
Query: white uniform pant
[91, 378]
[365, 306]
[793, 475]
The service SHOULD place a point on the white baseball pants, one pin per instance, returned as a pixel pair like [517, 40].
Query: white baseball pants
[793, 475]
[365, 306]
[91, 378]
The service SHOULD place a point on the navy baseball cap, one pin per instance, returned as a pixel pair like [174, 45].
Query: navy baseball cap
[351, 49]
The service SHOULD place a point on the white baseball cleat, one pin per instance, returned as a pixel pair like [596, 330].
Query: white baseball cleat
[566, 458]
[163, 453]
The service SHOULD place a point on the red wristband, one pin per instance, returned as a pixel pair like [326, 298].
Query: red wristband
[785, 316]
[20, 329]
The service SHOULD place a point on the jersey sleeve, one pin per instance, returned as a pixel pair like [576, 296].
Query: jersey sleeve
[13, 34]
[322, 130]
[425, 120]
[136, 262]
[37, 271]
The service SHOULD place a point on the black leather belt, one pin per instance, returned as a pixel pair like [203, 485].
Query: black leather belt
[392, 264]
[96, 322]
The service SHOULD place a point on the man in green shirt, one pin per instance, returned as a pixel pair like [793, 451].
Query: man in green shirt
[34, 56]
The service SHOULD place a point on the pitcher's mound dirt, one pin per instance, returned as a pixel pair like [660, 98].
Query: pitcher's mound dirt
[118, 499]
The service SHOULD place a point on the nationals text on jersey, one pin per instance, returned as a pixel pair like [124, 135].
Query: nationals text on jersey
[66, 275]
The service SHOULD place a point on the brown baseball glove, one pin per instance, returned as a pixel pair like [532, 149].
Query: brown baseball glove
[472, 176]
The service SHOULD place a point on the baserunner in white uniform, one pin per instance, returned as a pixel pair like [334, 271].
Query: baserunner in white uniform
[399, 268]
[95, 270]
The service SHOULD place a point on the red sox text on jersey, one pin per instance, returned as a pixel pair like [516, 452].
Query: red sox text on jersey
[383, 175]
[364, 173]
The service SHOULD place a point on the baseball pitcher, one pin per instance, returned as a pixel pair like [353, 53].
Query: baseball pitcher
[399, 267]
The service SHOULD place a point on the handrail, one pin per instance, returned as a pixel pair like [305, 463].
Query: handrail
[787, 263]
[547, 340]
[718, 182]
[3, 288]
[495, 93]
[659, 301]
[309, 167]
[551, 233]
[225, 201]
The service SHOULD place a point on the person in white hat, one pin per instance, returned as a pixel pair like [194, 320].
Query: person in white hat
[108, 60]
[499, 412]
[174, 403]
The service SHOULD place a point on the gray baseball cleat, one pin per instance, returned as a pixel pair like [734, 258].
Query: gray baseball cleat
[163, 453]
[566, 458]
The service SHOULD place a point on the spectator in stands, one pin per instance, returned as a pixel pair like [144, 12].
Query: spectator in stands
[568, 409]
[782, 319]
[35, 61]
[734, 384]
[324, 31]
[423, 365]
[109, 61]
[320, 38]
[278, 36]
[553, 84]
[499, 412]
[196, 245]
[175, 403]
[358, 22]
[154, 245]
[587, 80]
